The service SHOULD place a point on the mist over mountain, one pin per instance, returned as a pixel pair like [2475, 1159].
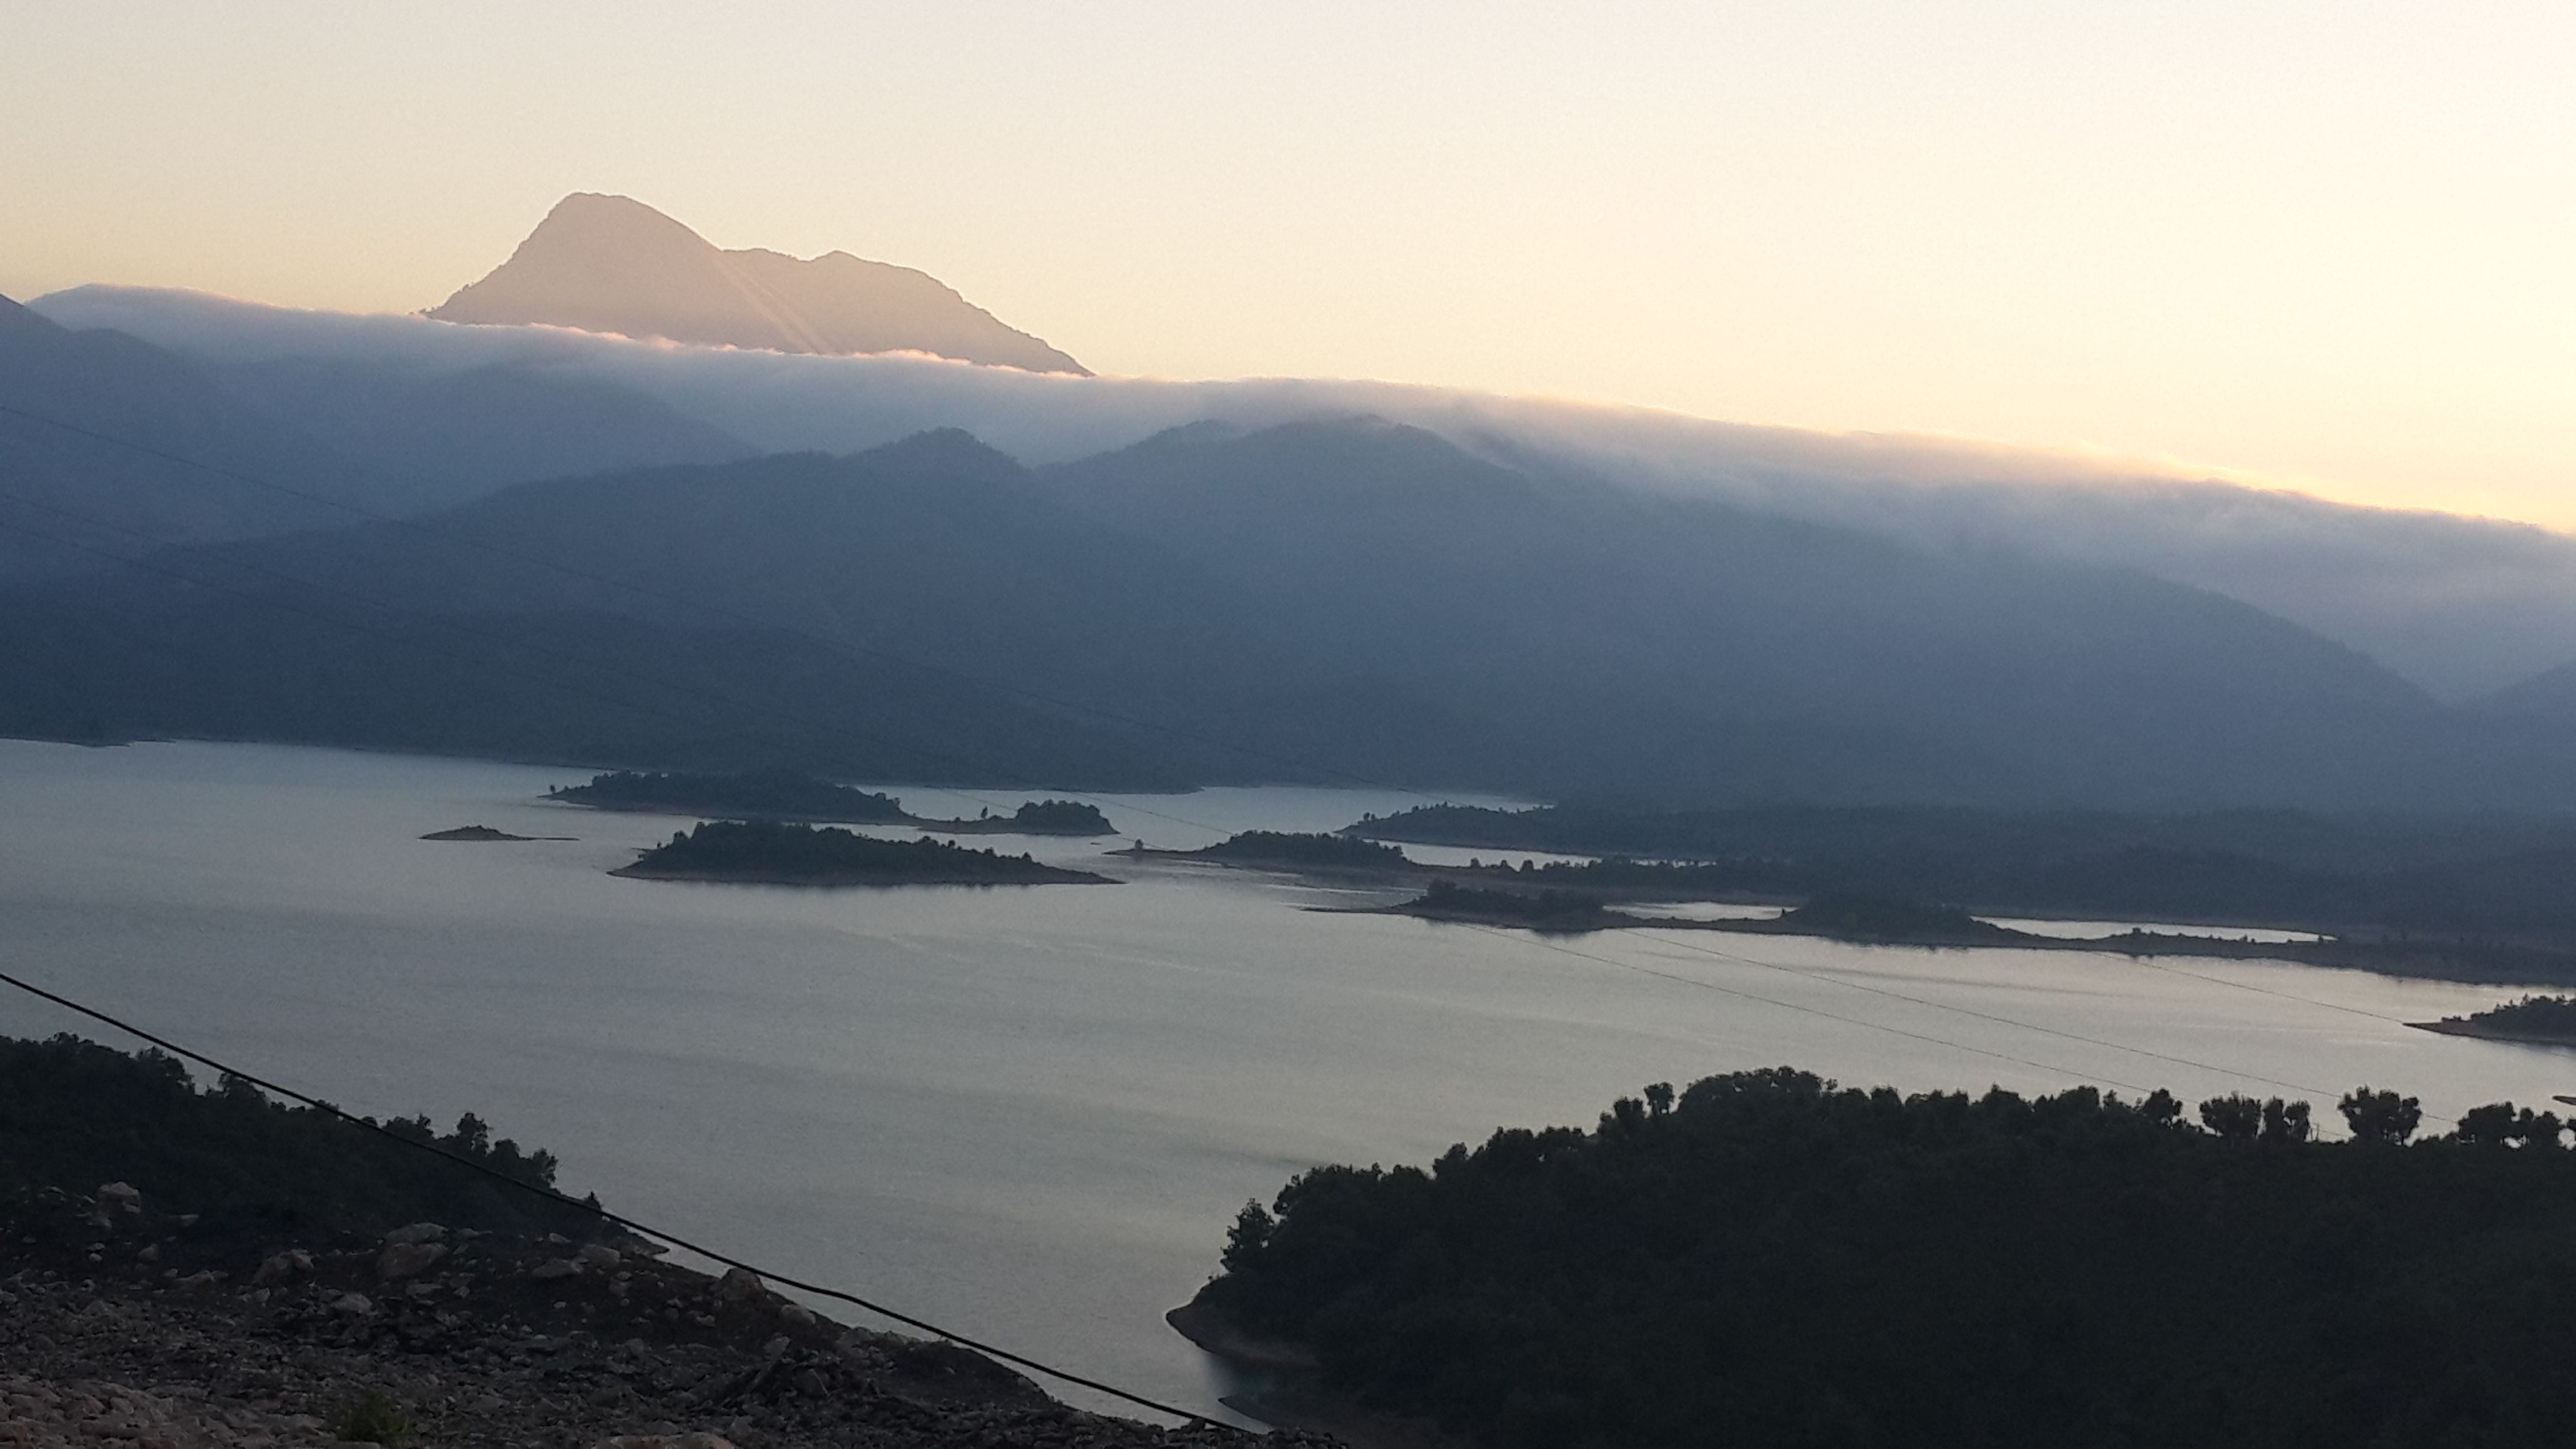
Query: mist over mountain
[1319, 600]
[613, 264]
[2459, 606]
[69, 503]
[111, 446]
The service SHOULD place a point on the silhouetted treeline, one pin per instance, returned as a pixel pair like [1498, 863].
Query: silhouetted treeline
[764, 850]
[1293, 848]
[1766, 1259]
[1035, 817]
[773, 794]
[2550, 1016]
[1541, 910]
[74, 1114]
[2431, 875]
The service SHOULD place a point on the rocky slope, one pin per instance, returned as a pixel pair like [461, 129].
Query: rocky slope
[124, 1324]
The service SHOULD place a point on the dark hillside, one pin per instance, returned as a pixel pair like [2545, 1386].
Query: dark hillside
[1723, 655]
[1770, 1260]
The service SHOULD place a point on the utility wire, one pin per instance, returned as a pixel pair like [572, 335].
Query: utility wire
[604, 1215]
[1830, 979]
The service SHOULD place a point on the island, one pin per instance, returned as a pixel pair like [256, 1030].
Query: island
[772, 852]
[759, 795]
[2540, 1020]
[1070, 818]
[484, 832]
[1544, 912]
[1289, 850]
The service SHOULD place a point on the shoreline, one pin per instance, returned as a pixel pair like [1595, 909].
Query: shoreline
[847, 880]
[1286, 1389]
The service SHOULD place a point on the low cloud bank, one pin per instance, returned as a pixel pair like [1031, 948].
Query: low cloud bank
[2460, 605]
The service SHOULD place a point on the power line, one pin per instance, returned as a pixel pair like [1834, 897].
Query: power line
[1977, 1015]
[604, 1215]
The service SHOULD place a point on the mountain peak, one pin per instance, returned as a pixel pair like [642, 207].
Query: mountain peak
[612, 264]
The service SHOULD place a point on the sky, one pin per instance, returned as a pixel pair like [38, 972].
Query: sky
[2324, 246]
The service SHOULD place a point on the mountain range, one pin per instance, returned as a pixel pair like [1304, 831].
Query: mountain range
[539, 543]
[613, 264]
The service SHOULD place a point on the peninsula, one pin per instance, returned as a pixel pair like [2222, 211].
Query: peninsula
[2539, 1020]
[768, 852]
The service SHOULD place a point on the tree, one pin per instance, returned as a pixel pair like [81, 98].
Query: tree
[1659, 1098]
[2380, 1117]
[2286, 1122]
[2489, 1126]
[2232, 1118]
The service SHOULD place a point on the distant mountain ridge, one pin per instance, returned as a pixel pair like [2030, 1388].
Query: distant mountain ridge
[1309, 602]
[613, 264]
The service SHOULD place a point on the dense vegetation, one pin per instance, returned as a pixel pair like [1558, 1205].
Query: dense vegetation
[790, 854]
[1878, 918]
[2463, 876]
[2549, 1018]
[1542, 910]
[74, 1114]
[1035, 817]
[764, 794]
[1766, 1259]
[1278, 847]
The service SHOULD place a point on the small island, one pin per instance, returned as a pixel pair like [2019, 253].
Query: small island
[760, 795]
[2542, 1020]
[770, 852]
[1070, 818]
[1881, 921]
[1546, 911]
[481, 832]
[1295, 851]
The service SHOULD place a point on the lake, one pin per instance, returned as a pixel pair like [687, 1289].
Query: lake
[1028, 1113]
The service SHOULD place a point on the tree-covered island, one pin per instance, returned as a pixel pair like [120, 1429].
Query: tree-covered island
[2545, 1019]
[770, 852]
[1071, 818]
[1766, 1259]
[759, 795]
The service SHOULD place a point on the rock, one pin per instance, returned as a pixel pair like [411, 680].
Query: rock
[553, 1268]
[199, 1282]
[797, 1313]
[739, 1284]
[282, 1266]
[415, 1233]
[408, 1259]
[122, 1196]
[151, 1254]
[600, 1255]
[699, 1440]
[354, 1304]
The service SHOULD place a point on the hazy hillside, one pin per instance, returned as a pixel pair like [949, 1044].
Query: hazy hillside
[69, 502]
[2549, 696]
[2461, 606]
[1315, 601]
[923, 558]
[437, 438]
[1685, 646]
[611, 264]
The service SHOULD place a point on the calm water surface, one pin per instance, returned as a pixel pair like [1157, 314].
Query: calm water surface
[1027, 1113]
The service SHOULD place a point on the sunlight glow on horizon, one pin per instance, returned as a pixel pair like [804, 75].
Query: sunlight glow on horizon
[2315, 248]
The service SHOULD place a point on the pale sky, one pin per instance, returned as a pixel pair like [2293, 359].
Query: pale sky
[2331, 246]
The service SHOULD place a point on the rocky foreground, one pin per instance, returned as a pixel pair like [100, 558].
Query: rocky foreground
[124, 1325]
